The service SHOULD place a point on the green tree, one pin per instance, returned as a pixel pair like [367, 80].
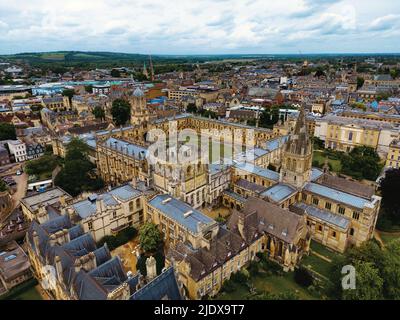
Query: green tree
[99, 113]
[269, 117]
[369, 284]
[391, 270]
[390, 186]
[120, 111]
[383, 96]
[191, 108]
[360, 82]
[3, 186]
[140, 77]
[69, 93]
[149, 237]
[77, 175]
[7, 131]
[45, 164]
[115, 73]
[89, 88]
[361, 163]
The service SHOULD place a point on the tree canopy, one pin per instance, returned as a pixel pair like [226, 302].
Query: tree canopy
[390, 186]
[7, 131]
[68, 93]
[377, 271]
[120, 111]
[149, 237]
[3, 186]
[115, 73]
[361, 163]
[77, 175]
[99, 113]
[43, 165]
[269, 117]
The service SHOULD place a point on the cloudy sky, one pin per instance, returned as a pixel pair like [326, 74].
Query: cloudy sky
[200, 26]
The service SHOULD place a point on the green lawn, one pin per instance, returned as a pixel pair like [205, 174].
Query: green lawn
[320, 157]
[387, 237]
[25, 291]
[270, 283]
[280, 284]
[322, 250]
[316, 264]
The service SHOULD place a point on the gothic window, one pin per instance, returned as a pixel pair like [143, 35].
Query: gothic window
[294, 166]
[131, 206]
[137, 203]
[90, 225]
[341, 210]
[356, 215]
[328, 205]
[352, 231]
[315, 201]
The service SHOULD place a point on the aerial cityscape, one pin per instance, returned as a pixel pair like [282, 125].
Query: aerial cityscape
[203, 155]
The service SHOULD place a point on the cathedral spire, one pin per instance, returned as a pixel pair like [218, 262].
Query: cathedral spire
[297, 155]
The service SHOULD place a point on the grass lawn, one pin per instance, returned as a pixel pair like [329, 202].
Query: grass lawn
[387, 236]
[280, 284]
[270, 283]
[25, 291]
[320, 157]
[317, 264]
[322, 250]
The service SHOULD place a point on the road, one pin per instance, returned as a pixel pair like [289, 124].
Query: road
[22, 184]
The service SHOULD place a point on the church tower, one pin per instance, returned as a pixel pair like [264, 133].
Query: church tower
[297, 155]
[139, 112]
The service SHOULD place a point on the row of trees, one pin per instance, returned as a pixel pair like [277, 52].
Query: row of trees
[377, 272]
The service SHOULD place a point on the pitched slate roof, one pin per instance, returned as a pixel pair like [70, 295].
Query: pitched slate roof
[264, 217]
[88, 285]
[262, 172]
[336, 195]
[348, 186]
[179, 211]
[324, 215]
[223, 247]
[163, 287]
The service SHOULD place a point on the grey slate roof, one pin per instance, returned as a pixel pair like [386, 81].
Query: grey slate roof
[265, 173]
[92, 285]
[176, 209]
[336, 195]
[324, 215]
[279, 192]
[128, 148]
[165, 286]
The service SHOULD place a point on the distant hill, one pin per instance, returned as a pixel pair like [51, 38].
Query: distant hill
[74, 56]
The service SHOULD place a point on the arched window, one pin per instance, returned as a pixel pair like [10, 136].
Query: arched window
[137, 203]
[131, 206]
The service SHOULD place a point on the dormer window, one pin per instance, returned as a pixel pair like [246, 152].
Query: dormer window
[229, 254]
[271, 226]
[214, 264]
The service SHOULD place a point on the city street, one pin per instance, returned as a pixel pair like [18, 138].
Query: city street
[22, 183]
